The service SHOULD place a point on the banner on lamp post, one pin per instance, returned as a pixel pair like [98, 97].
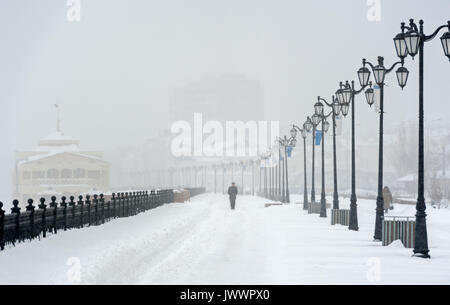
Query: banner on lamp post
[318, 137]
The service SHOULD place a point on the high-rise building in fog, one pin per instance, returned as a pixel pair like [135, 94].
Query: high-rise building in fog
[228, 97]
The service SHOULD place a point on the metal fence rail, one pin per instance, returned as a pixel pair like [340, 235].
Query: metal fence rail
[38, 221]
[314, 208]
[398, 227]
[341, 217]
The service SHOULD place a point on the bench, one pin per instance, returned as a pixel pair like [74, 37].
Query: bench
[341, 217]
[266, 205]
[181, 196]
[398, 227]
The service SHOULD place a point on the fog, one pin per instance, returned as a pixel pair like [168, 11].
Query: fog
[114, 72]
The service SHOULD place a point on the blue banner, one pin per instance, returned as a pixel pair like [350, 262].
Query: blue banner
[289, 151]
[318, 137]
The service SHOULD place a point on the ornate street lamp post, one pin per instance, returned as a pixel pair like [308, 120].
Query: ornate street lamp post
[303, 132]
[283, 185]
[224, 169]
[336, 110]
[318, 109]
[275, 172]
[286, 143]
[413, 42]
[272, 184]
[242, 176]
[260, 175]
[311, 124]
[279, 172]
[264, 157]
[346, 95]
[252, 164]
[380, 72]
[215, 178]
[270, 174]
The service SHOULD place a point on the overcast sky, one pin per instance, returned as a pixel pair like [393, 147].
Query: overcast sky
[113, 72]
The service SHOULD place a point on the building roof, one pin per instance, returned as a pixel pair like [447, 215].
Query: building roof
[52, 154]
[57, 141]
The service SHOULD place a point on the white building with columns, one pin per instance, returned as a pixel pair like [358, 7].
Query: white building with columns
[57, 166]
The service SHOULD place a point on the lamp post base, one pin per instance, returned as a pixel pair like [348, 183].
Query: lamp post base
[353, 225]
[421, 239]
[323, 206]
[335, 201]
[379, 218]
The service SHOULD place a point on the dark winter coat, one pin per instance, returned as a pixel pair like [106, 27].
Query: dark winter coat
[387, 196]
[232, 192]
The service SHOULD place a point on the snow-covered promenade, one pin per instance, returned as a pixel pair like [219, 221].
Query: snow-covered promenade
[204, 242]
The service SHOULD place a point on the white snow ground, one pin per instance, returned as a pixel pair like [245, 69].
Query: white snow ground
[203, 242]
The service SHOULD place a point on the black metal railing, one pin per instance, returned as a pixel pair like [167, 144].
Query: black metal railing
[70, 213]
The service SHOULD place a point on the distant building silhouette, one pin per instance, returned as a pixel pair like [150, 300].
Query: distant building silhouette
[228, 97]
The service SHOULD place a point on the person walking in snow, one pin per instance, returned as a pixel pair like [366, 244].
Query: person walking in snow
[232, 192]
[387, 196]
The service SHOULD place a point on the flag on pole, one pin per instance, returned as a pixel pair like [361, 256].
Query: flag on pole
[289, 151]
[318, 137]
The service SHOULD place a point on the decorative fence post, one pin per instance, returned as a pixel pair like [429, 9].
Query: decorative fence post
[16, 210]
[72, 206]
[133, 203]
[2, 227]
[152, 199]
[30, 208]
[95, 201]
[64, 206]
[146, 203]
[123, 204]
[102, 204]
[130, 204]
[113, 201]
[43, 207]
[87, 202]
[80, 203]
[54, 205]
[136, 202]
[127, 203]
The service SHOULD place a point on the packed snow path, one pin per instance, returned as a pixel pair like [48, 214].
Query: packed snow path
[204, 242]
